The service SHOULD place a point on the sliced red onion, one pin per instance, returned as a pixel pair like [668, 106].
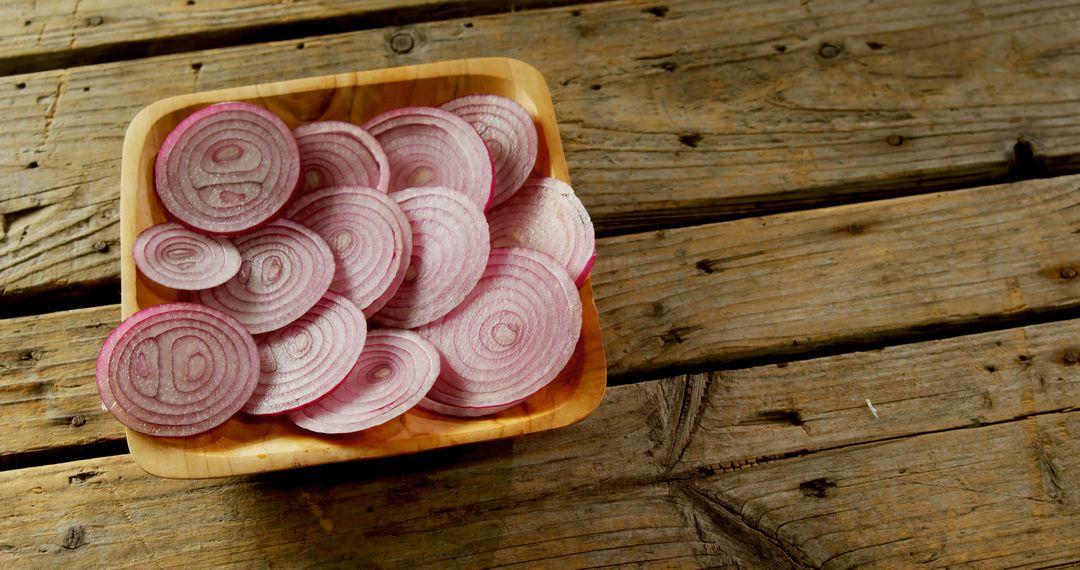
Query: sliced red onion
[286, 269]
[177, 369]
[510, 337]
[449, 251]
[309, 357]
[393, 373]
[174, 256]
[547, 216]
[369, 235]
[227, 168]
[335, 153]
[431, 147]
[508, 132]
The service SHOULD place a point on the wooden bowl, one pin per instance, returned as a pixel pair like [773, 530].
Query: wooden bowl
[247, 444]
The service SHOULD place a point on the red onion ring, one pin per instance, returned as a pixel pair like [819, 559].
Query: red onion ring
[335, 153]
[431, 147]
[449, 251]
[177, 369]
[286, 269]
[369, 235]
[393, 373]
[173, 256]
[547, 216]
[227, 168]
[309, 357]
[508, 133]
[510, 337]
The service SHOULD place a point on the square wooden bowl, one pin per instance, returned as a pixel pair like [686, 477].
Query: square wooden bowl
[247, 444]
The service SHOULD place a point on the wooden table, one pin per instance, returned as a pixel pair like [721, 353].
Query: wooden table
[837, 284]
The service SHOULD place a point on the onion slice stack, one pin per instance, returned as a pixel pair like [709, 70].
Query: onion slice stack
[431, 147]
[369, 235]
[508, 132]
[286, 269]
[450, 248]
[309, 357]
[510, 337]
[177, 369]
[547, 216]
[335, 153]
[174, 256]
[227, 168]
[393, 373]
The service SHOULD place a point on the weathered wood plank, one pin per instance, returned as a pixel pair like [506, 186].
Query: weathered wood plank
[664, 120]
[525, 501]
[1003, 496]
[46, 34]
[932, 261]
[806, 280]
[613, 489]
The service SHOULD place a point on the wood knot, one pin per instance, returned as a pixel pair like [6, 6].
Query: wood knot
[402, 43]
[677, 335]
[1067, 273]
[855, 229]
[78, 421]
[829, 50]
[816, 487]
[895, 140]
[691, 139]
[1072, 356]
[73, 536]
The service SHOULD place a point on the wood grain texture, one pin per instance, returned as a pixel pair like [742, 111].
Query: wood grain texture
[666, 472]
[664, 120]
[37, 35]
[692, 298]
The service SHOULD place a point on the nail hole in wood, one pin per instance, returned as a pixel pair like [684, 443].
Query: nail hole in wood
[780, 48]
[401, 43]
[196, 66]
[691, 139]
[828, 50]
[895, 140]
[596, 87]
[32, 165]
[658, 11]
[20, 85]
[874, 45]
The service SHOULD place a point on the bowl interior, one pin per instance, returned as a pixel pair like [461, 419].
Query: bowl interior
[247, 444]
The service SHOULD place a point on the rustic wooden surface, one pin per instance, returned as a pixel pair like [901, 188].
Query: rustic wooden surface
[665, 121]
[750, 466]
[830, 376]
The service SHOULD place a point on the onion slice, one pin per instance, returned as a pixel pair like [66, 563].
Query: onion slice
[393, 373]
[426, 146]
[547, 216]
[508, 132]
[510, 337]
[308, 358]
[286, 269]
[171, 255]
[177, 369]
[335, 153]
[227, 168]
[450, 248]
[369, 235]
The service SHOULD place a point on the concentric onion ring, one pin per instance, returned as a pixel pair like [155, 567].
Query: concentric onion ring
[431, 147]
[393, 373]
[227, 168]
[449, 251]
[547, 216]
[177, 369]
[508, 132]
[173, 256]
[510, 337]
[335, 153]
[369, 235]
[309, 357]
[286, 269]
